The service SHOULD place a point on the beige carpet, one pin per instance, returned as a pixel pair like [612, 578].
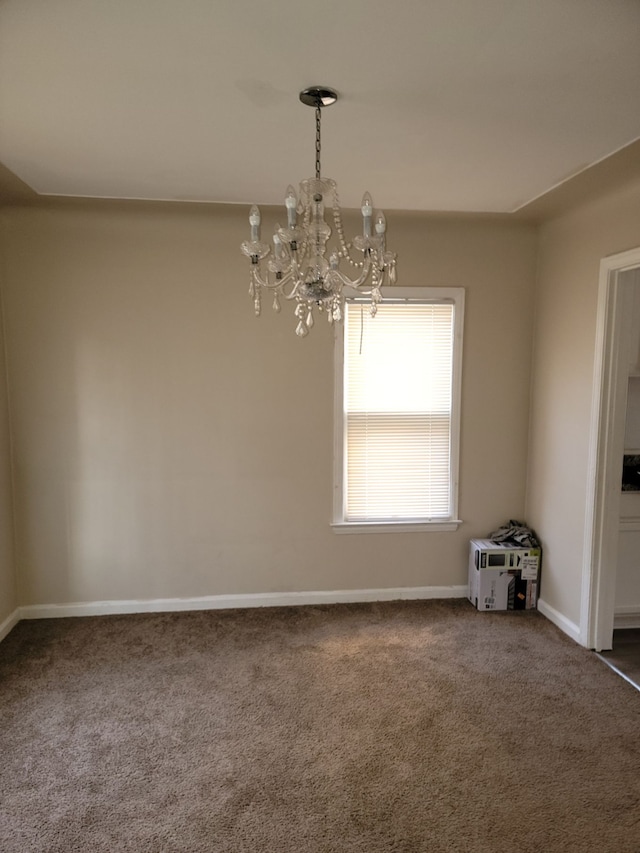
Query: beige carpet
[354, 729]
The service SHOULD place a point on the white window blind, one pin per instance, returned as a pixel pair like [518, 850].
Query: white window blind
[397, 418]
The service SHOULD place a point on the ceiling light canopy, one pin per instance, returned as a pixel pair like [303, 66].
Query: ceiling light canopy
[303, 267]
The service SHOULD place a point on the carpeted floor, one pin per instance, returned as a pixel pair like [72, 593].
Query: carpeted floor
[415, 727]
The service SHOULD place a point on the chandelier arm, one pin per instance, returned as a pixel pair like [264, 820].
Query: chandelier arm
[294, 290]
[274, 284]
[357, 282]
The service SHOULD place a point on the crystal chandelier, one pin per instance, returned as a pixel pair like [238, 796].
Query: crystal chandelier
[302, 267]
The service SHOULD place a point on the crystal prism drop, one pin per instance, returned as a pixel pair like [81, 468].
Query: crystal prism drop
[392, 274]
[276, 304]
[301, 329]
[309, 320]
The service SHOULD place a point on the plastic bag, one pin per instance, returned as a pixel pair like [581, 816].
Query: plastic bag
[516, 533]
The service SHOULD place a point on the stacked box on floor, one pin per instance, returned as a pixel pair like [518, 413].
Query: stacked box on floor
[503, 576]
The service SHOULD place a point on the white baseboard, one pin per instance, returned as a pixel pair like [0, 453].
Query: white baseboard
[570, 628]
[10, 622]
[225, 602]
[626, 617]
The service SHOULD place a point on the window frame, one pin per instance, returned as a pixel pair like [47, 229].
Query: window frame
[419, 295]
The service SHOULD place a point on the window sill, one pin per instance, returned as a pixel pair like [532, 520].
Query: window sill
[394, 526]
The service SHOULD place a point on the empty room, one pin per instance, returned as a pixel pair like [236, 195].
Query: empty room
[297, 302]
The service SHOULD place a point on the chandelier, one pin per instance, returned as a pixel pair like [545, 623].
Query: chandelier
[302, 267]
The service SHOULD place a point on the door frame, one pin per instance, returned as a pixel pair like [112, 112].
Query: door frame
[609, 401]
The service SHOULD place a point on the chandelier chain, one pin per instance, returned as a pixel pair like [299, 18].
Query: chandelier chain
[318, 114]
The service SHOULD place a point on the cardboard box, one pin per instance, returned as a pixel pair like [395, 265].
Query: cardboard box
[503, 576]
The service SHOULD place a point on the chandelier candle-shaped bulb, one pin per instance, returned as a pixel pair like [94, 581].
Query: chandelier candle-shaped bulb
[367, 213]
[310, 262]
[254, 222]
[291, 203]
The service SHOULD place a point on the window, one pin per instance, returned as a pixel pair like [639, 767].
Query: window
[398, 410]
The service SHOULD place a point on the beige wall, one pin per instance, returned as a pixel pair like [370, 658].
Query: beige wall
[8, 597]
[570, 249]
[168, 444]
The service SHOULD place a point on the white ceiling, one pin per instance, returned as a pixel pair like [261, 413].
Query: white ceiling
[467, 105]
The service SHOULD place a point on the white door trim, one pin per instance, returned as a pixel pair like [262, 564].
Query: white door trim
[605, 452]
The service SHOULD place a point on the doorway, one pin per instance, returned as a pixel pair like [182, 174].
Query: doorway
[619, 286]
[624, 658]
